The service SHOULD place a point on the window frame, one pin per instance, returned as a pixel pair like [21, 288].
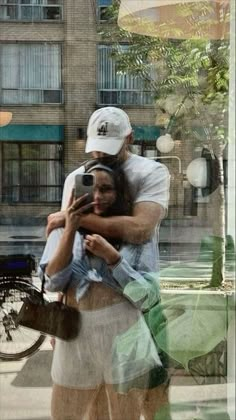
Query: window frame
[102, 6]
[141, 92]
[42, 89]
[20, 185]
[41, 6]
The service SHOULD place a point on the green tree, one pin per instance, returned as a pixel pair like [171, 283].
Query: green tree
[193, 76]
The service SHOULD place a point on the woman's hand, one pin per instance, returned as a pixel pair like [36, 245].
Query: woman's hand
[100, 247]
[75, 211]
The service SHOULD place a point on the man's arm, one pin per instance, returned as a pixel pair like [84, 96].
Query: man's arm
[147, 212]
[135, 229]
[54, 221]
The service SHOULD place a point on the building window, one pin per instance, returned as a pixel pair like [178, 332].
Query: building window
[30, 73]
[102, 6]
[31, 10]
[115, 87]
[32, 172]
[145, 148]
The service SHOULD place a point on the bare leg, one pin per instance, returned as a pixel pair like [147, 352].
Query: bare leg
[154, 400]
[137, 404]
[74, 404]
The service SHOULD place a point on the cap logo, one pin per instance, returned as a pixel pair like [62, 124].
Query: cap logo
[103, 129]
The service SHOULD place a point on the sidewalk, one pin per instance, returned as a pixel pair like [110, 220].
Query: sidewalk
[26, 392]
[25, 386]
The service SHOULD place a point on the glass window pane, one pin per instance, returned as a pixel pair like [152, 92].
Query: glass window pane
[28, 71]
[52, 96]
[182, 87]
[11, 172]
[11, 12]
[30, 151]
[129, 90]
[26, 12]
[11, 194]
[10, 151]
[29, 172]
[52, 13]
[54, 2]
[37, 173]
[41, 151]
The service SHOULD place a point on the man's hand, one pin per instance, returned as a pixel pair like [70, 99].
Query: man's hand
[100, 247]
[55, 220]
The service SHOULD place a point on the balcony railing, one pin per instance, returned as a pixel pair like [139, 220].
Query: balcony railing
[124, 97]
[29, 12]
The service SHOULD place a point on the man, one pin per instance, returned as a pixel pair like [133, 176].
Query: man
[109, 134]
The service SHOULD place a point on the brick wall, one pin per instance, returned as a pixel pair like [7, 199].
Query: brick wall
[32, 31]
[79, 38]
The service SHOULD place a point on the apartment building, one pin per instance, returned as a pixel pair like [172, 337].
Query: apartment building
[55, 70]
[54, 73]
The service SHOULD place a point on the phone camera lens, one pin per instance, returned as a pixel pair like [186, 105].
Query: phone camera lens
[88, 180]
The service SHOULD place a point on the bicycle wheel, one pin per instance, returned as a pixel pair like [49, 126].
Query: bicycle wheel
[16, 342]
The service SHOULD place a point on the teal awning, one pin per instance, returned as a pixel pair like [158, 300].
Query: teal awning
[146, 132]
[56, 133]
[15, 132]
[104, 2]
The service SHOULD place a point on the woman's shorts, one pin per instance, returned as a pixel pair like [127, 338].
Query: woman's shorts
[114, 346]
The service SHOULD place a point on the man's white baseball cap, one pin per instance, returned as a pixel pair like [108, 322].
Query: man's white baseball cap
[107, 130]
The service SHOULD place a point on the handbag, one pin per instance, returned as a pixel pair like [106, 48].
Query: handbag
[53, 318]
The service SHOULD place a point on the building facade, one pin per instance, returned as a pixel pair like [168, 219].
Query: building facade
[55, 70]
[54, 74]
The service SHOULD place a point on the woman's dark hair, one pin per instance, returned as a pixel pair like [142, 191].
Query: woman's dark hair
[123, 204]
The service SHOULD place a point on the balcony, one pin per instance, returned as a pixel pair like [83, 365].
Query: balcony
[15, 11]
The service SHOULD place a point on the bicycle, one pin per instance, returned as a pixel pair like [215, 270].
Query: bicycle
[17, 342]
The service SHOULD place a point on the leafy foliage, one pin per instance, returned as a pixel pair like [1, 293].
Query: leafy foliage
[189, 325]
[193, 67]
[189, 80]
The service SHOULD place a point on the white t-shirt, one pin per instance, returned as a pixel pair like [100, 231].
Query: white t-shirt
[148, 180]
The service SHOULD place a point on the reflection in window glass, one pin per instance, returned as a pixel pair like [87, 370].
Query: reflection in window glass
[116, 87]
[58, 64]
[31, 10]
[28, 71]
[36, 175]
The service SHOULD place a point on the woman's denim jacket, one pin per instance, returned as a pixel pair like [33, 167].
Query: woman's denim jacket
[135, 276]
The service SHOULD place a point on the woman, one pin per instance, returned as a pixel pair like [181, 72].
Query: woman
[114, 352]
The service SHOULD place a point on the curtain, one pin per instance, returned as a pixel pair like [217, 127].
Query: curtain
[118, 87]
[28, 70]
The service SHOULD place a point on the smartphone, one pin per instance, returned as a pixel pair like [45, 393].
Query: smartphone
[84, 184]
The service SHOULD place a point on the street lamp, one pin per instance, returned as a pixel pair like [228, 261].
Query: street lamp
[197, 173]
[176, 19]
[5, 118]
[165, 143]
